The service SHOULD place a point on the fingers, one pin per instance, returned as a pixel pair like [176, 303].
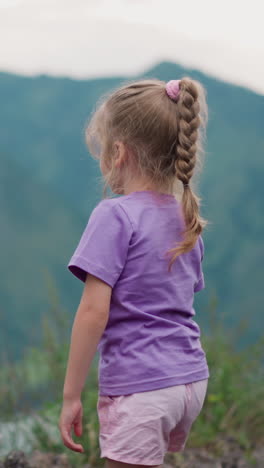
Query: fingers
[68, 441]
[78, 428]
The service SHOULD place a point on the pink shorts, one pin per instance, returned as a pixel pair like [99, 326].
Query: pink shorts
[140, 428]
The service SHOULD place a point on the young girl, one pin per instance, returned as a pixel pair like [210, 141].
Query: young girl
[139, 258]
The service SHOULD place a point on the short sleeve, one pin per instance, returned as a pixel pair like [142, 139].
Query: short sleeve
[200, 283]
[103, 247]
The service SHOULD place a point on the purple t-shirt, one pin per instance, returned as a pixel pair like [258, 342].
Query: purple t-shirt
[151, 340]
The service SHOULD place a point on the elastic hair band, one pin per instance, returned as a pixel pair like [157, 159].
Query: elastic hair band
[173, 89]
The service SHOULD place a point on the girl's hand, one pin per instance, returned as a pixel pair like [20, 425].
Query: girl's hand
[71, 415]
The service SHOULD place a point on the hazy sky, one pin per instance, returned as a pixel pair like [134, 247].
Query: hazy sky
[92, 38]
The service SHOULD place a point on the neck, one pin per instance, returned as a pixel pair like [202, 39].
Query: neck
[136, 186]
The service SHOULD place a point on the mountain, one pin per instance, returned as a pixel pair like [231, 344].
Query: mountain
[38, 232]
[49, 185]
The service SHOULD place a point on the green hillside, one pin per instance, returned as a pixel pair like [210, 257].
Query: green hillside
[49, 185]
[38, 232]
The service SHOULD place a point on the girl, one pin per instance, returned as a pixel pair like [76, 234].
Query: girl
[139, 258]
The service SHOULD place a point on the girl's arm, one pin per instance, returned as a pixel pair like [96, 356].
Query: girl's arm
[89, 324]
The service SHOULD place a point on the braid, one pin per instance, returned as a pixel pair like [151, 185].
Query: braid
[189, 122]
[187, 142]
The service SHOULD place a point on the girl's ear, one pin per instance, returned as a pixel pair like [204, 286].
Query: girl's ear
[119, 152]
[118, 145]
[116, 150]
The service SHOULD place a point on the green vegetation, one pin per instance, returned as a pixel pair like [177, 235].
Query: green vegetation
[234, 403]
[49, 187]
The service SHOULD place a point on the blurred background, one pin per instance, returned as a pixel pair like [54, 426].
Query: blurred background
[56, 59]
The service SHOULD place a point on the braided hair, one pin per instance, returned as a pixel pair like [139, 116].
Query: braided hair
[189, 121]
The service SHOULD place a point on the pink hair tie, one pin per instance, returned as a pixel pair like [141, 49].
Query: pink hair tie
[173, 89]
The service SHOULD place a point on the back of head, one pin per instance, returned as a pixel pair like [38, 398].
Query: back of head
[164, 133]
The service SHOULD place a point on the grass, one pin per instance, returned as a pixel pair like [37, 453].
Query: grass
[234, 404]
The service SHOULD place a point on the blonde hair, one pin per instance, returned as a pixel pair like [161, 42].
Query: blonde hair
[165, 137]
